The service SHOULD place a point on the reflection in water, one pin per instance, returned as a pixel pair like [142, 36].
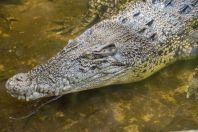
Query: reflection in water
[26, 39]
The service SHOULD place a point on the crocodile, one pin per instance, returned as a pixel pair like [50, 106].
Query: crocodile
[129, 47]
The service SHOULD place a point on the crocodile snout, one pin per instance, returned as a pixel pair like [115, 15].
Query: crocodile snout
[20, 86]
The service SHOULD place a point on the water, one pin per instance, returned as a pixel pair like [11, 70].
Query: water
[31, 32]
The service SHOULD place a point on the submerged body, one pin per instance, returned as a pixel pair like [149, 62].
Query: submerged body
[97, 11]
[129, 47]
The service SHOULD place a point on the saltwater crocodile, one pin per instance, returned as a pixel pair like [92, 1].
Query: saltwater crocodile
[129, 47]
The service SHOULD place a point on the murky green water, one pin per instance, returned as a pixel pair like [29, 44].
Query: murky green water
[30, 33]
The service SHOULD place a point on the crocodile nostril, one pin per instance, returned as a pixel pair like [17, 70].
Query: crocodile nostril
[22, 77]
[19, 79]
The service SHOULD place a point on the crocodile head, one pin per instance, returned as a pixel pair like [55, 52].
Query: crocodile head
[92, 60]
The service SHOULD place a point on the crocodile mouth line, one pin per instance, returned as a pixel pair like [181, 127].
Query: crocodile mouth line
[37, 93]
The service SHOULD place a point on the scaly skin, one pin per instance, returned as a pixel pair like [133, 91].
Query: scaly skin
[129, 47]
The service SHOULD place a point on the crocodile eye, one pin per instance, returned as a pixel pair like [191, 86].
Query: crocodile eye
[89, 56]
[101, 51]
[106, 50]
[109, 50]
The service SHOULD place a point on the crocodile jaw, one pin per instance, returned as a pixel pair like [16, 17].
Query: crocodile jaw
[24, 87]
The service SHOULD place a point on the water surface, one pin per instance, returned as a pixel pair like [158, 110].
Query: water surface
[31, 32]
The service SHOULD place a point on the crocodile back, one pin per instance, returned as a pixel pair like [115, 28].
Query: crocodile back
[159, 20]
